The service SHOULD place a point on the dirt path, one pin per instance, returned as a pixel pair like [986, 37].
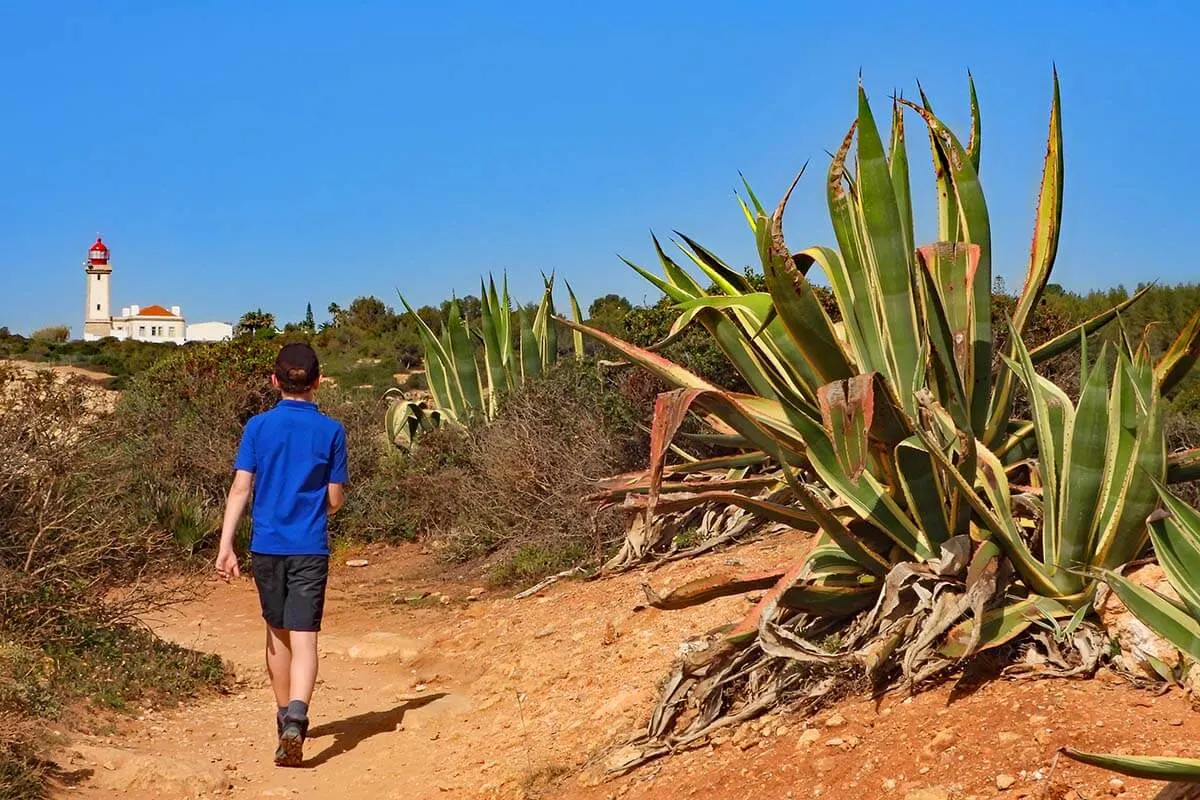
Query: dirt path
[503, 698]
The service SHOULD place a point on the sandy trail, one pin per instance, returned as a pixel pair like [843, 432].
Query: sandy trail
[486, 698]
[502, 698]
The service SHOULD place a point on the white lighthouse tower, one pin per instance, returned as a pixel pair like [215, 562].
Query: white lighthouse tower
[97, 317]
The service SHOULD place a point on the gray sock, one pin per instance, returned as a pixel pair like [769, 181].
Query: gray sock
[297, 710]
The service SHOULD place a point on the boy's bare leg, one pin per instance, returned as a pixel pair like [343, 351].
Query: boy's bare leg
[303, 667]
[279, 664]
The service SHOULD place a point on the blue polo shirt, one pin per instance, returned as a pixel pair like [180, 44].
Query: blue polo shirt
[295, 452]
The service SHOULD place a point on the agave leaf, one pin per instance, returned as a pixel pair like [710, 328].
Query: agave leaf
[531, 359]
[1155, 768]
[923, 492]
[438, 366]
[1176, 537]
[677, 275]
[975, 143]
[577, 315]
[702, 590]
[801, 314]
[725, 277]
[791, 516]
[1180, 357]
[1158, 613]
[898, 166]
[1183, 466]
[1047, 220]
[466, 371]
[1083, 473]
[975, 229]
[847, 272]
[1130, 496]
[492, 354]
[888, 258]
[1001, 625]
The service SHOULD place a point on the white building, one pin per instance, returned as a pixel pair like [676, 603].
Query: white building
[149, 324]
[209, 332]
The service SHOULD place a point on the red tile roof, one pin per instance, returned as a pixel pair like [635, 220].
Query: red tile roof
[154, 311]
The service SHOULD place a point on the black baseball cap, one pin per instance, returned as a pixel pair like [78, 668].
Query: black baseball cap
[297, 367]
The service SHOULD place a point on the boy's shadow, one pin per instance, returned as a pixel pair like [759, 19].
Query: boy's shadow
[347, 733]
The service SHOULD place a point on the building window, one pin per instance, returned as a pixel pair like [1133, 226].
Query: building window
[141, 330]
[171, 331]
[97, 306]
[97, 277]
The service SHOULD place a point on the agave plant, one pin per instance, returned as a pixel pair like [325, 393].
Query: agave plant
[514, 348]
[891, 422]
[1175, 532]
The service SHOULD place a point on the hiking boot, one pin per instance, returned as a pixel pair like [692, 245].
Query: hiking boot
[290, 751]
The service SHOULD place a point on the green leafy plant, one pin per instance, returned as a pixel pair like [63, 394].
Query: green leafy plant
[891, 422]
[515, 347]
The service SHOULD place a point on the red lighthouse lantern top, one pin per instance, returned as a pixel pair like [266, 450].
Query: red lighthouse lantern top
[98, 254]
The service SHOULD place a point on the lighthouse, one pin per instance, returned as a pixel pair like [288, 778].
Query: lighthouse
[97, 318]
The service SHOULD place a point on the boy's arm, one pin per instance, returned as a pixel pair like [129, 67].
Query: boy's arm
[339, 473]
[336, 497]
[235, 506]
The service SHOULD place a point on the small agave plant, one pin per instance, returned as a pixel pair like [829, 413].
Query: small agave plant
[947, 524]
[513, 348]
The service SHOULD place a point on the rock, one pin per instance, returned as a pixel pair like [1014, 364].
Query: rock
[1008, 737]
[835, 721]
[941, 741]
[544, 632]
[835, 742]
[1116, 786]
[475, 593]
[1004, 782]
[357, 562]
[1138, 642]
[377, 646]
[808, 738]
[928, 793]
[781, 730]
[444, 599]
[889, 784]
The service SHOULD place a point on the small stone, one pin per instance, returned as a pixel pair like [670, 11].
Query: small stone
[889, 785]
[1004, 782]
[544, 632]
[1116, 786]
[1175, 722]
[357, 562]
[444, 599]
[781, 730]
[476, 593]
[808, 738]
[835, 742]
[928, 793]
[1038, 719]
[1008, 737]
[941, 741]
[835, 721]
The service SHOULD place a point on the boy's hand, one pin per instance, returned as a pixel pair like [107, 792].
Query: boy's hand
[227, 565]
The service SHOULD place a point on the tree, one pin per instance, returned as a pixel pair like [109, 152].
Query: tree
[335, 314]
[310, 323]
[608, 313]
[53, 334]
[254, 321]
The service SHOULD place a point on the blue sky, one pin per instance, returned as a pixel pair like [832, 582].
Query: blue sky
[243, 154]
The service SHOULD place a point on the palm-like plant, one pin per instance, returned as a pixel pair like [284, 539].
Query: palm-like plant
[892, 424]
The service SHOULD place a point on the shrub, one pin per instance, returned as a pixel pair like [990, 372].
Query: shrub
[54, 333]
[70, 536]
[517, 484]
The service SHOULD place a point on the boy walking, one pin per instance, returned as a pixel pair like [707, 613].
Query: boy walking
[294, 459]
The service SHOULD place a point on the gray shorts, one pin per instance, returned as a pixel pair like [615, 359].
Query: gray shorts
[291, 589]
